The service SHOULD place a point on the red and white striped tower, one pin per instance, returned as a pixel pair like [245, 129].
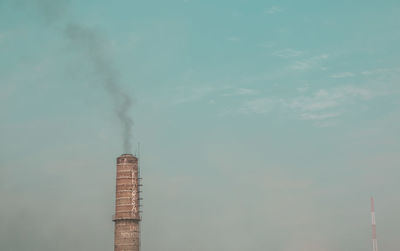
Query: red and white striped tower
[374, 242]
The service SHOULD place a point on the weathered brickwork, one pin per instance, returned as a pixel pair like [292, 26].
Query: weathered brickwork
[127, 215]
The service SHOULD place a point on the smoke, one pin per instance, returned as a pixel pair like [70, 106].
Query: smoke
[93, 47]
[52, 10]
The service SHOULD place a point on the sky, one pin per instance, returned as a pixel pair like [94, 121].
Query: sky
[263, 125]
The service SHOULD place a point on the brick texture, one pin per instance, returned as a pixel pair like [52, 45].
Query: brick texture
[127, 215]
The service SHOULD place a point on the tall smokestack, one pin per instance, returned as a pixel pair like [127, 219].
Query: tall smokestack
[127, 214]
[374, 241]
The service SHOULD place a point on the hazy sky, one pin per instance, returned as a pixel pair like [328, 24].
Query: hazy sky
[264, 125]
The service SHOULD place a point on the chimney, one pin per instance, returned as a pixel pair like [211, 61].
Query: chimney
[127, 199]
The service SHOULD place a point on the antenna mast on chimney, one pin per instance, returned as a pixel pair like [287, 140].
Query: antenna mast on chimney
[374, 242]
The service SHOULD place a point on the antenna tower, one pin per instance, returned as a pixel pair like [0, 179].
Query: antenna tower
[374, 242]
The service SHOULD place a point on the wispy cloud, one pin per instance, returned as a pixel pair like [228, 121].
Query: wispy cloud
[273, 10]
[325, 104]
[320, 107]
[323, 99]
[343, 75]
[258, 105]
[321, 116]
[288, 53]
[240, 92]
[309, 104]
[325, 123]
[309, 63]
[266, 45]
[380, 71]
[302, 88]
[185, 94]
[234, 39]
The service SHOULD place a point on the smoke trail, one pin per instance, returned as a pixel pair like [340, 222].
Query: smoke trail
[93, 46]
[52, 10]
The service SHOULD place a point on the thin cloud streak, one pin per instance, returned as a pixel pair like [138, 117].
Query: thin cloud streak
[273, 10]
[343, 75]
[380, 71]
[288, 53]
[234, 39]
[241, 92]
[310, 63]
[318, 106]
[322, 105]
[322, 116]
[189, 95]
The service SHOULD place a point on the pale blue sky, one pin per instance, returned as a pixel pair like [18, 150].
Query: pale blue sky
[264, 125]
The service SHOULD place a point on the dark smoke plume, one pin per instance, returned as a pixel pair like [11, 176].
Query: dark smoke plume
[52, 10]
[93, 46]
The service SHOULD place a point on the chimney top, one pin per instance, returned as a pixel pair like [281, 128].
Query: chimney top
[127, 155]
[127, 158]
